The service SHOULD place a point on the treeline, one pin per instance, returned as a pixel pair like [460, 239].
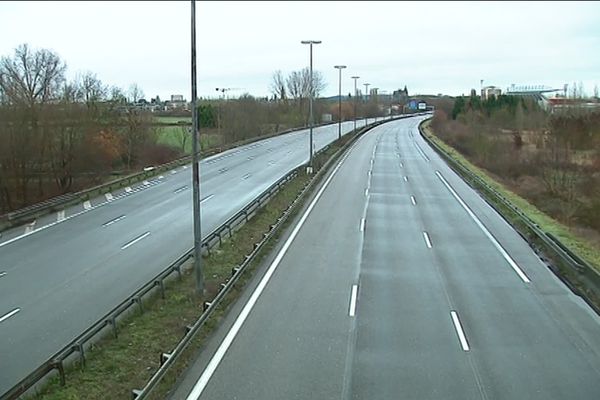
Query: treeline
[552, 159]
[59, 135]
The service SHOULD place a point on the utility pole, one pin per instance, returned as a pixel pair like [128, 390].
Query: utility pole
[196, 168]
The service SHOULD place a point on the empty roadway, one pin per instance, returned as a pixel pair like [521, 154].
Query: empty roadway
[399, 281]
[64, 272]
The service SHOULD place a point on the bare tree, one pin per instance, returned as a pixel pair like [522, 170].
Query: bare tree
[31, 77]
[135, 93]
[278, 85]
[92, 90]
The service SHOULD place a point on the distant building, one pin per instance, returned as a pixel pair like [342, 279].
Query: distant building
[490, 91]
[176, 98]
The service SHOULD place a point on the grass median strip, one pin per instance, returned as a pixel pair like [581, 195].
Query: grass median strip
[580, 246]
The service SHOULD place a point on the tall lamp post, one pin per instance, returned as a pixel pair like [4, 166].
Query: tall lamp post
[376, 102]
[310, 43]
[355, 96]
[366, 99]
[340, 68]
[196, 168]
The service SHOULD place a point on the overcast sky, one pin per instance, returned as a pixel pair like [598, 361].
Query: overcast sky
[431, 47]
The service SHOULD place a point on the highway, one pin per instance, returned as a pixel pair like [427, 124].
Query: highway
[398, 281]
[65, 271]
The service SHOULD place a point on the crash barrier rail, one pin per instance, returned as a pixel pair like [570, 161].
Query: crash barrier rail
[27, 214]
[109, 320]
[575, 272]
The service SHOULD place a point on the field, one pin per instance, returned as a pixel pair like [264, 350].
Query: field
[172, 135]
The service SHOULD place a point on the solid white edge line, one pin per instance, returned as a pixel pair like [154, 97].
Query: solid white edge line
[413, 201]
[487, 233]
[134, 241]
[10, 314]
[224, 346]
[459, 330]
[427, 240]
[362, 224]
[353, 296]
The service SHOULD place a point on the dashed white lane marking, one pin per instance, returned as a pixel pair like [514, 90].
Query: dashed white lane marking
[2, 273]
[29, 227]
[413, 201]
[134, 241]
[406, 179]
[181, 189]
[487, 233]
[10, 314]
[362, 224]
[128, 189]
[246, 176]
[353, 297]
[109, 197]
[60, 215]
[206, 198]
[210, 369]
[401, 165]
[459, 330]
[112, 221]
[427, 240]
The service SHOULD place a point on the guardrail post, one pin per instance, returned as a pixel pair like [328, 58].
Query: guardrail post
[58, 365]
[113, 322]
[164, 357]
[79, 348]
[138, 300]
[162, 287]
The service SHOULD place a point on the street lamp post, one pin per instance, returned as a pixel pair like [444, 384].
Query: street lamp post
[311, 42]
[366, 100]
[355, 96]
[196, 168]
[340, 68]
[376, 102]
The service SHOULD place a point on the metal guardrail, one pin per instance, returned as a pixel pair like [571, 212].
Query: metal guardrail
[575, 272]
[109, 320]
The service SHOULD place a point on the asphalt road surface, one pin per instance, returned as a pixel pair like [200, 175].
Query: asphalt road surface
[400, 282]
[65, 271]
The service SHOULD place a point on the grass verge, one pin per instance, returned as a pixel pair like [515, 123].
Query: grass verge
[578, 245]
